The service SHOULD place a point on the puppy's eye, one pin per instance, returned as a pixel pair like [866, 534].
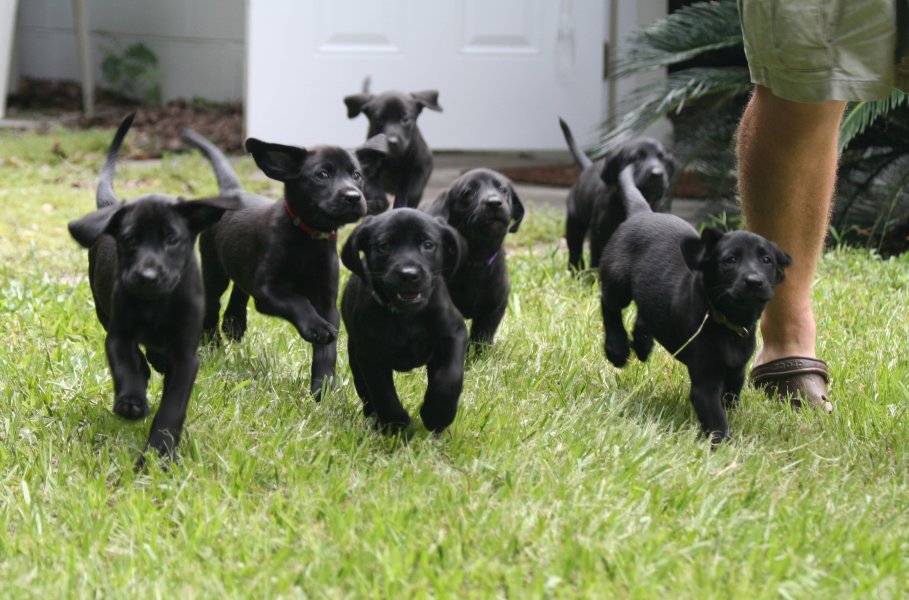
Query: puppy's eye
[502, 188]
[172, 239]
[357, 176]
[766, 260]
[322, 174]
[428, 245]
[405, 121]
[730, 260]
[470, 192]
[383, 247]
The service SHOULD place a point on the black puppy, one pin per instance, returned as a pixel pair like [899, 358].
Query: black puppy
[408, 166]
[700, 297]
[483, 206]
[399, 315]
[284, 253]
[147, 289]
[593, 202]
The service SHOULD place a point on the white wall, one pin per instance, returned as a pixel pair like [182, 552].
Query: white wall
[199, 43]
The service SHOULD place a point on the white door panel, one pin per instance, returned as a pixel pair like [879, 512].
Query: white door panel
[505, 69]
[356, 26]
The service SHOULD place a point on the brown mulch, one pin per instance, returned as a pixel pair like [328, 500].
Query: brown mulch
[557, 175]
[155, 130]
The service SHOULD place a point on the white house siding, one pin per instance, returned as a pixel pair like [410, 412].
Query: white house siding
[199, 43]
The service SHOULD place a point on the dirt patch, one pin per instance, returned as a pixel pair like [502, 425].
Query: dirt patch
[155, 130]
[557, 175]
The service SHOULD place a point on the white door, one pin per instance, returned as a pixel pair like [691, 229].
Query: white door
[505, 69]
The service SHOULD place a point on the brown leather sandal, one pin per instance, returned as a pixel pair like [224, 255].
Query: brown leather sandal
[802, 380]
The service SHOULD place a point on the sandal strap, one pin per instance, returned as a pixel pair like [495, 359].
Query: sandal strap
[787, 366]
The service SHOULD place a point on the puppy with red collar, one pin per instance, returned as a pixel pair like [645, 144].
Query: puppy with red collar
[284, 254]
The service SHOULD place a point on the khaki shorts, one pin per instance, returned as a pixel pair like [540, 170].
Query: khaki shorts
[817, 50]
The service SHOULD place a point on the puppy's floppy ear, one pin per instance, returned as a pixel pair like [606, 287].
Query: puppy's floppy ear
[428, 99]
[202, 214]
[517, 209]
[782, 261]
[710, 236]
[453, 248]
[277, 160]
[615, 162]
[693, 252]
[696, 250]
[440, 206]
[356, 104]
[373, 151]
[89, 228]
[350, 253]
[671, 162]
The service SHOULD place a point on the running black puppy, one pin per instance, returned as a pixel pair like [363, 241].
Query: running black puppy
[284, 254]
[700, 297]
[594, 203]
[147, 290]
[399, 315]
[483, 206]
[408, 166]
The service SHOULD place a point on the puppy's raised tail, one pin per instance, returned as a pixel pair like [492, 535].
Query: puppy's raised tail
[105, 195]
[228, 183]
[632, 197]
[579, 156]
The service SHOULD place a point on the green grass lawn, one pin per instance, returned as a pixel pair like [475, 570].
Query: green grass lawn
[561, 476]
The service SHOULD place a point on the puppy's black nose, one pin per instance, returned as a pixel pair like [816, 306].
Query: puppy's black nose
[657, 171]
[493, 202]
[148, 275]
[409, 273]
[352, 196]
[393, 140]
[754, 281]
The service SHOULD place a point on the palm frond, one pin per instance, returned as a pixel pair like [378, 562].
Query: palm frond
[683, 35]
[860, 115]
[647, 104]
[704, 139]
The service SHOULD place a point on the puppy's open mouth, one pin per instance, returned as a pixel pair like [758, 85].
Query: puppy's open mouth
[409, 297]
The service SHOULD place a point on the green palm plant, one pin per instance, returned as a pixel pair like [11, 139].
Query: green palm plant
[704, 94]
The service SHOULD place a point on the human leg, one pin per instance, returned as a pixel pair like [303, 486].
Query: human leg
[787, 154]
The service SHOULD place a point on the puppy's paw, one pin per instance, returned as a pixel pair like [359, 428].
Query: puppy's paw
[131, 407]
[165, 459]
[211, 337]
[476, 349]
[320, 333]
[643, 345]
[730, 401]
[234, 328]
[394, 424]
[718, 437]
[320, 388]
[617, 352]
[437, 421]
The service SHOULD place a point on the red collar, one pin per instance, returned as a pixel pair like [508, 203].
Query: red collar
[313, 233]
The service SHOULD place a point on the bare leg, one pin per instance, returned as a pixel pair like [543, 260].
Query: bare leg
[787, 155]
